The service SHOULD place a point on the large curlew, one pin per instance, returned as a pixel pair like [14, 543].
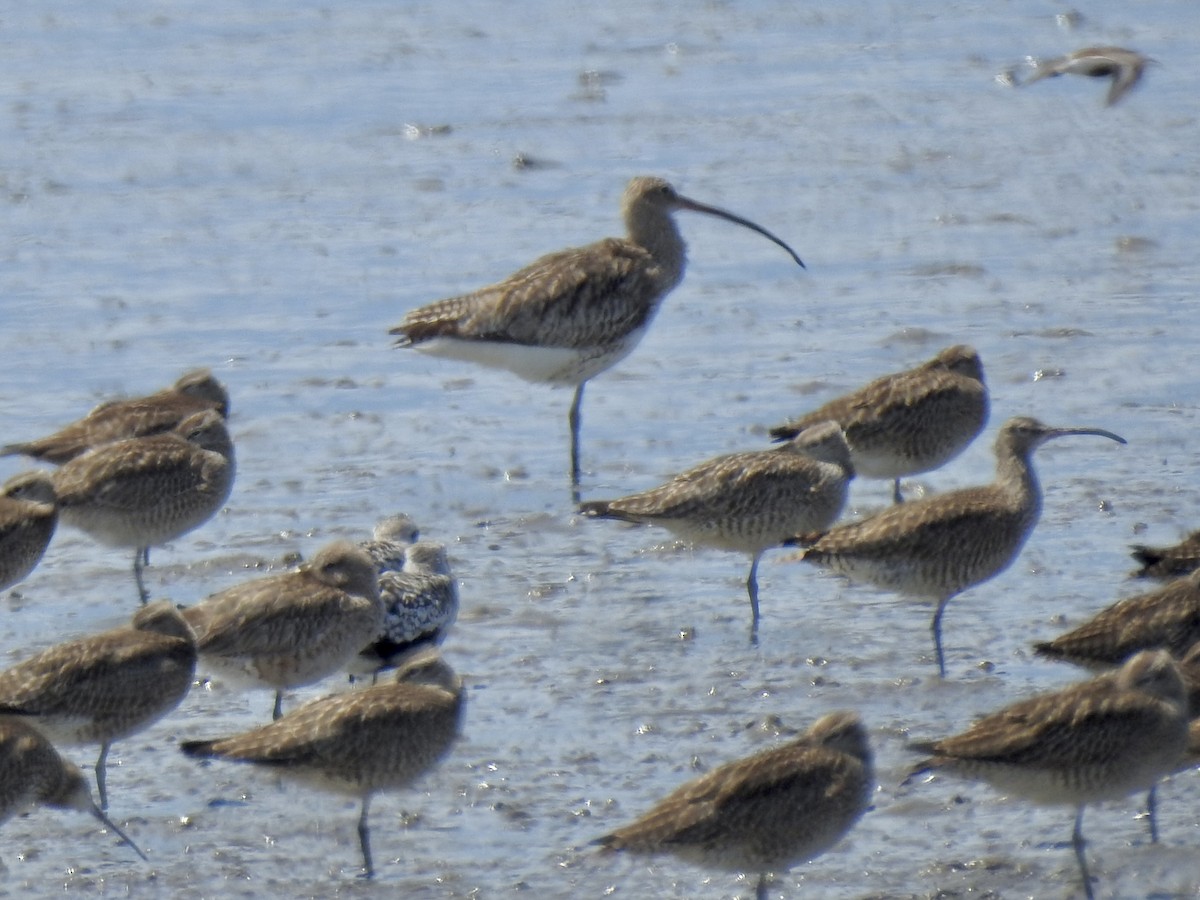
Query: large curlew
[767, 812]
[28, 516]
[1101, 739]
[33, 774]
[572, 314]
[142, 492]
[117, 420]
[379, 738]
[747, 502]
[937, 547]
[908, 422]
[106, 686]
[291, 629]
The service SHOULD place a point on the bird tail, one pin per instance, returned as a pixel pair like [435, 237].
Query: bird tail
[782, 433]
[199, 749]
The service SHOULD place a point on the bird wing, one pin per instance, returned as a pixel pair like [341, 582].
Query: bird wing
[581, 297]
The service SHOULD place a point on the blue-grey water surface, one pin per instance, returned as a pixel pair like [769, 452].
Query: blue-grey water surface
[265, 188]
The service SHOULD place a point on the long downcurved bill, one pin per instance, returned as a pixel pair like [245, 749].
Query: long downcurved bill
[685, 203]
[1098, 432]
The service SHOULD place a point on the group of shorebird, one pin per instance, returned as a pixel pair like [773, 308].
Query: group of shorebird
[140, 473]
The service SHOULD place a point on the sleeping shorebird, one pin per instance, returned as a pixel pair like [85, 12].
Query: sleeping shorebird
[1102, 739]
[389, 542]
[28, 516]
[420, 603]
[291, 629]
[572, 314]
[118, 420]
[748, 502]
[1122, 67]
[767, 812]
[1168, 562]
[107, 686]
[909, 422]
[937, 547]
[357, 743]
[142, 492]
[33, 774]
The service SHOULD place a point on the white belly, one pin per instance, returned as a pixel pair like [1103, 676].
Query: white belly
[546, 365]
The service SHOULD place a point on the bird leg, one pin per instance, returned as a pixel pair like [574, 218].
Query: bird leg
[278, 710]
[573, 420]
[100, 772]
[897, 497]
[1151, 809]
[1078, 843]
[138, 555]
[936, 628]
[761, 892]
[752, 590]
[364, 838]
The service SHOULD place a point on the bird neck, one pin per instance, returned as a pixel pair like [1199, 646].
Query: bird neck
[655, 231]
[1015, 475]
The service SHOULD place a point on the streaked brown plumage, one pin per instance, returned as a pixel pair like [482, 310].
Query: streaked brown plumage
[107, 686]
[748, 502]
[119, 420]
[1102, 739]
[570, 315]
[294, 628]
[768, 812]
[28, 516]
[33, 774]
[378, 738]
[1168, 618]
[1168, 562]
[908, 422]
[143, 492]
[1124, 68]
[938, 547]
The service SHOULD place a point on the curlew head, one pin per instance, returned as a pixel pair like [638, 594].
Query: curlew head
[201, 384]
[824, 441]
[33, 485]
[163, 617]
[1156, 673]
[649, 197]
[207, 431]
[343, 565]
[1021, 435]
[960, 359]
[842, 731]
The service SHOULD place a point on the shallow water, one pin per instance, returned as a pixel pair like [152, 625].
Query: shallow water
[265, 189]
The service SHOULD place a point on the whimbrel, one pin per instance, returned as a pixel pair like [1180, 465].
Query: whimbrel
[118, 420]
[1168, 562]
[1168, 618]
[937, 547]
[748, 501]
[378, 738]
[1099, 740]
[146, 491]
[767, 812]
[28, 516]
[572, 314]
[294, 628]
[908, 422]
[33, 774]
[106, 686]
[390, 540]
[420, 603]
[1123, 67]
